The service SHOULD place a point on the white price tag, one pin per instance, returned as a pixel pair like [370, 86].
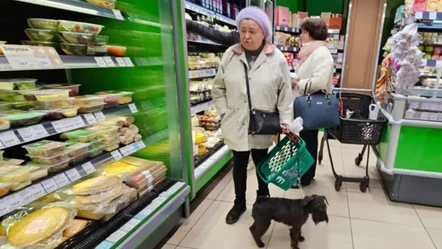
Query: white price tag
[32, 133]
[425, 116]
[49, 185]
[118, 14]
[127, 150]
[141, 144]
[61, 180]
[88, 167]
[438, 63]
[116, 155]
[40, 131]
[68, 124]
[73, 174]
[44, 62]
[425, 106]
[439, 107]
[109, 61]
[116, 236]
[9, 138]
[433, 15]
[131, 224]
[36, 191]
[20, 57]
[419, 15]
[434, 116]
[414, 104]
[133, 108]
[100, 116]
[13, 201]
[128, 62]
[90, 118]
[434, 107]
[100, 61]
[121, 62]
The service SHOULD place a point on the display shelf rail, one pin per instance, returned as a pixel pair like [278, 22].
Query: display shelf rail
[75, 62]
[78, 6]
[288, 49]
[210, 162]
[430, 27]
[206, 43]
[18, 136]
[199, 160]
[431, 63]
[287, 29]
[203, 11]
[59, 180]
[133, 232]
[428, 15]
[202, 73]
[201, 107]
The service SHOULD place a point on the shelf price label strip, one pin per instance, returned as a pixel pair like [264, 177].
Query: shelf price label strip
[145, 216]
[210, 13]
[201, 107]
[18, 136]
[38, 190]
[193, 74]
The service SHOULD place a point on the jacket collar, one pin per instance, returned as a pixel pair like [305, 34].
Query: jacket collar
[268, 48]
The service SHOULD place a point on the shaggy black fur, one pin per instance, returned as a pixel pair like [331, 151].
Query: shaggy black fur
[293, 213]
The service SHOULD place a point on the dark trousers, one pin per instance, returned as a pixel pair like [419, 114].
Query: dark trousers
[311, 143]
[240, 162]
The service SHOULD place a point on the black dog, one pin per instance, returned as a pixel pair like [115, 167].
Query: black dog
[293, 213]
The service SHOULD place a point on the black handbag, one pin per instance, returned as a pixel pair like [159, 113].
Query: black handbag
[261, 122]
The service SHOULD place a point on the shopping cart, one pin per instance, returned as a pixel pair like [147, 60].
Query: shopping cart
[362, 131]
[286, 163]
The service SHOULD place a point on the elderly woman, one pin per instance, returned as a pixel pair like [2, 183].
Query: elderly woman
[315, 71]
[270, 88]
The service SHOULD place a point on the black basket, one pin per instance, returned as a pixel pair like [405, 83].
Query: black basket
[354, 101]
[357, 131]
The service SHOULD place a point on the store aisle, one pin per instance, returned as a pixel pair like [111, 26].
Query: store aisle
[357, 220]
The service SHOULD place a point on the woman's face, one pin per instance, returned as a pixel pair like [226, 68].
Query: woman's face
[250, 34]
[305, 36]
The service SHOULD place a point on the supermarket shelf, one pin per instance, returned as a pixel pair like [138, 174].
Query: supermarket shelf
[51, 184]
[431, 63]
[201, 107]
[210, 162]
[428, 15]
[78, 6]
[203, 11]
[17, 136]
[143, 224]
[202, 73]
[430, 27]
[287, 29]
[334, 31]
[77, 62]
[199, 160]
[206, 42]
[288, 49]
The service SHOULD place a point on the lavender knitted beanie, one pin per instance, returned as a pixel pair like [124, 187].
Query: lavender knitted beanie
[257, 15]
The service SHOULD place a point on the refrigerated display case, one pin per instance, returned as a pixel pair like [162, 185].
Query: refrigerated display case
[99, 122]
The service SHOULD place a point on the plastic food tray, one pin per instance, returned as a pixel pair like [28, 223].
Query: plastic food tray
[104, 131]
[52, 168]
[41, 148]
[50, 160]
[81, 136]
[55, 104]
[47, 95]
[89, 109]
[95, 152]
[78, 159]
[23, 119]
[76, 149]
[89, 101]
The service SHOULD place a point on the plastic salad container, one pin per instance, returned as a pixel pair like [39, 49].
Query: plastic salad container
[52, 168]
[81, 136]
[110, 140]
[90, 109]
[11, 96]
[79, 27]
[52, 114]
[49, 160]
[56, 104]
[95, 144]
[126, 97]
[95, 152]
[19, 118]
[78, 159]
[46, 95]
[54, 45]
[4, 123]
[101, 40]
[46, 148]
[77, 38]
[4, 106]
[104, 131]
[41, 35]
[23, 106]
[39, 23]
[70, 112]
[111, 147]
[74, 49]
[88, 100]
[17, 84]
[111, 100]
[110, 4]
[74, 89]
[75, 149]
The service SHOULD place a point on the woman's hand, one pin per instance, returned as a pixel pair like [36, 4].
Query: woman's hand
[294, 83]
[285, 128]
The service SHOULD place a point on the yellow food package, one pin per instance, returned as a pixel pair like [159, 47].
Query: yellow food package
[14, 174]
[102, 196]
[118, 168]
[95, 185]
[200, 138]
[74, 228]
[38, 226]
[18, 186]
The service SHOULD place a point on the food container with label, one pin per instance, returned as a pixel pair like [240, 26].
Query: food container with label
[40, 23]
[54, 167]
[104, 131]
[13, 174]
[75, 149]
[74, 49]
[74, 89]
[4, 123]
[56, 104]
[46, 148]
[95, 152]
[19, 118]
[79, 27]
[91, 108]
[81, 136]
[110, 4]
[126, 97]
[23, 106]
[111, 100]
[37, 172]
[78, 159]
[95, 144]
[50, 160]
[88, 100]
[41, 35]
[17, 84]
[76, 38]
[53, 114]
[11, 162]
[12, 96]
[111, 146]
[46, 95]
[110, 140]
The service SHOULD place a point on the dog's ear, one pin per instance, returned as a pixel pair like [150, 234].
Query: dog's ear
[306, 200]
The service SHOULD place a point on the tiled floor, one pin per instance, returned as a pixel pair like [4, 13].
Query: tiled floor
[357, 220]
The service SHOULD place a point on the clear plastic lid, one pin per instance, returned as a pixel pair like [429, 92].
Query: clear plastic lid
[45, 148]
[49, 166]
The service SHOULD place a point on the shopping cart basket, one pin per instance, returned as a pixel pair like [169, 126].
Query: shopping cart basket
[286, 163]
[354, 131]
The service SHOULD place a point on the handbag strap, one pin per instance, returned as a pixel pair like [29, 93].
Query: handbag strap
[248, 86]
[309, 86]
